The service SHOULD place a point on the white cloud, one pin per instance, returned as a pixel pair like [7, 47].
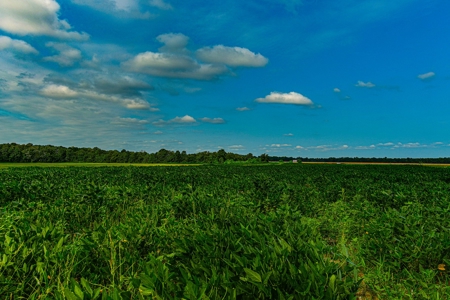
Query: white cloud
[371, 147]
[158, 132]
[17, 45]
[175, 61]
[236, 147]
[58, 92]
[213, 121]
[299, 147]
[336, 90]
[365, 84]
[286, 98]
[185, 119]
[385, 144]
[410, 145]
[242, 108]
[172, 66]
[35, 17]
[126, 5]
[173, 42]
[288, 134]
[231, 56]
[177, 120]
[425, 76]
[119, 8]
[161, 4]
[280, 145]
[67, 56]
[129, 121]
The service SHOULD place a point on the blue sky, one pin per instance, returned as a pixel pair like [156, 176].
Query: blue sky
[310, 78]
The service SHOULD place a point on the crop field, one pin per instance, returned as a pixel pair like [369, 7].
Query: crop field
[280, 231]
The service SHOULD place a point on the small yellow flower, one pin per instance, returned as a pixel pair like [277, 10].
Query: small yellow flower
[367, 232]
[441, 267]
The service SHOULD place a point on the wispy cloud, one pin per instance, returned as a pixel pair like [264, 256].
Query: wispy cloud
[426, 76]
[121, 8]
[67, 55]
[242, 108]
[213, 120]
[365, 84]
[58, 92]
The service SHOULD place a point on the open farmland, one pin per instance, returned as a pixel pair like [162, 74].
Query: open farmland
[291, 231]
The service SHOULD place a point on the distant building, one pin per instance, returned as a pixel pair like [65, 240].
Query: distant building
[295, 161]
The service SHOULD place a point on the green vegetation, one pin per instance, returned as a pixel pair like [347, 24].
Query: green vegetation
[29, 153]
[289, 231]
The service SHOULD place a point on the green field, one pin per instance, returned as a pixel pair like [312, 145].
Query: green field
[290, 231]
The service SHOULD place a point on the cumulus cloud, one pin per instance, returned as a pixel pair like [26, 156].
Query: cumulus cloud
[365, 84]
[172, 66]
[236, 147]
[173, 42]
[174, 61]
[231, 56]
[426, 76]
[242, 108]
[161, 4]
[67, 56]
[122, 85]
[185, 119]
[288, 134]
[213, 121]
[336, 90]
[280, 145]
[16, 45]
[177, 120]
[286, 98]
[58, 92]
[36, 17]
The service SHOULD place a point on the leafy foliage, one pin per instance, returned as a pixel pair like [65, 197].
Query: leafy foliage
[225, 232]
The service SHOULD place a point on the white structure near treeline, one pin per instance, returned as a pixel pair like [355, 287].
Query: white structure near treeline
[295, 161]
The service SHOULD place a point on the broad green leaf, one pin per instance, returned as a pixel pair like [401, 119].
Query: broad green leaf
[252, 275]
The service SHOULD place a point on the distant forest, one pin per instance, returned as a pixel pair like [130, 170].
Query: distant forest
[37, 153]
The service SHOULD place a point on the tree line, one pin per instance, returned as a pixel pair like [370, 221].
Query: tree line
[26, 153]
[30, 153]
